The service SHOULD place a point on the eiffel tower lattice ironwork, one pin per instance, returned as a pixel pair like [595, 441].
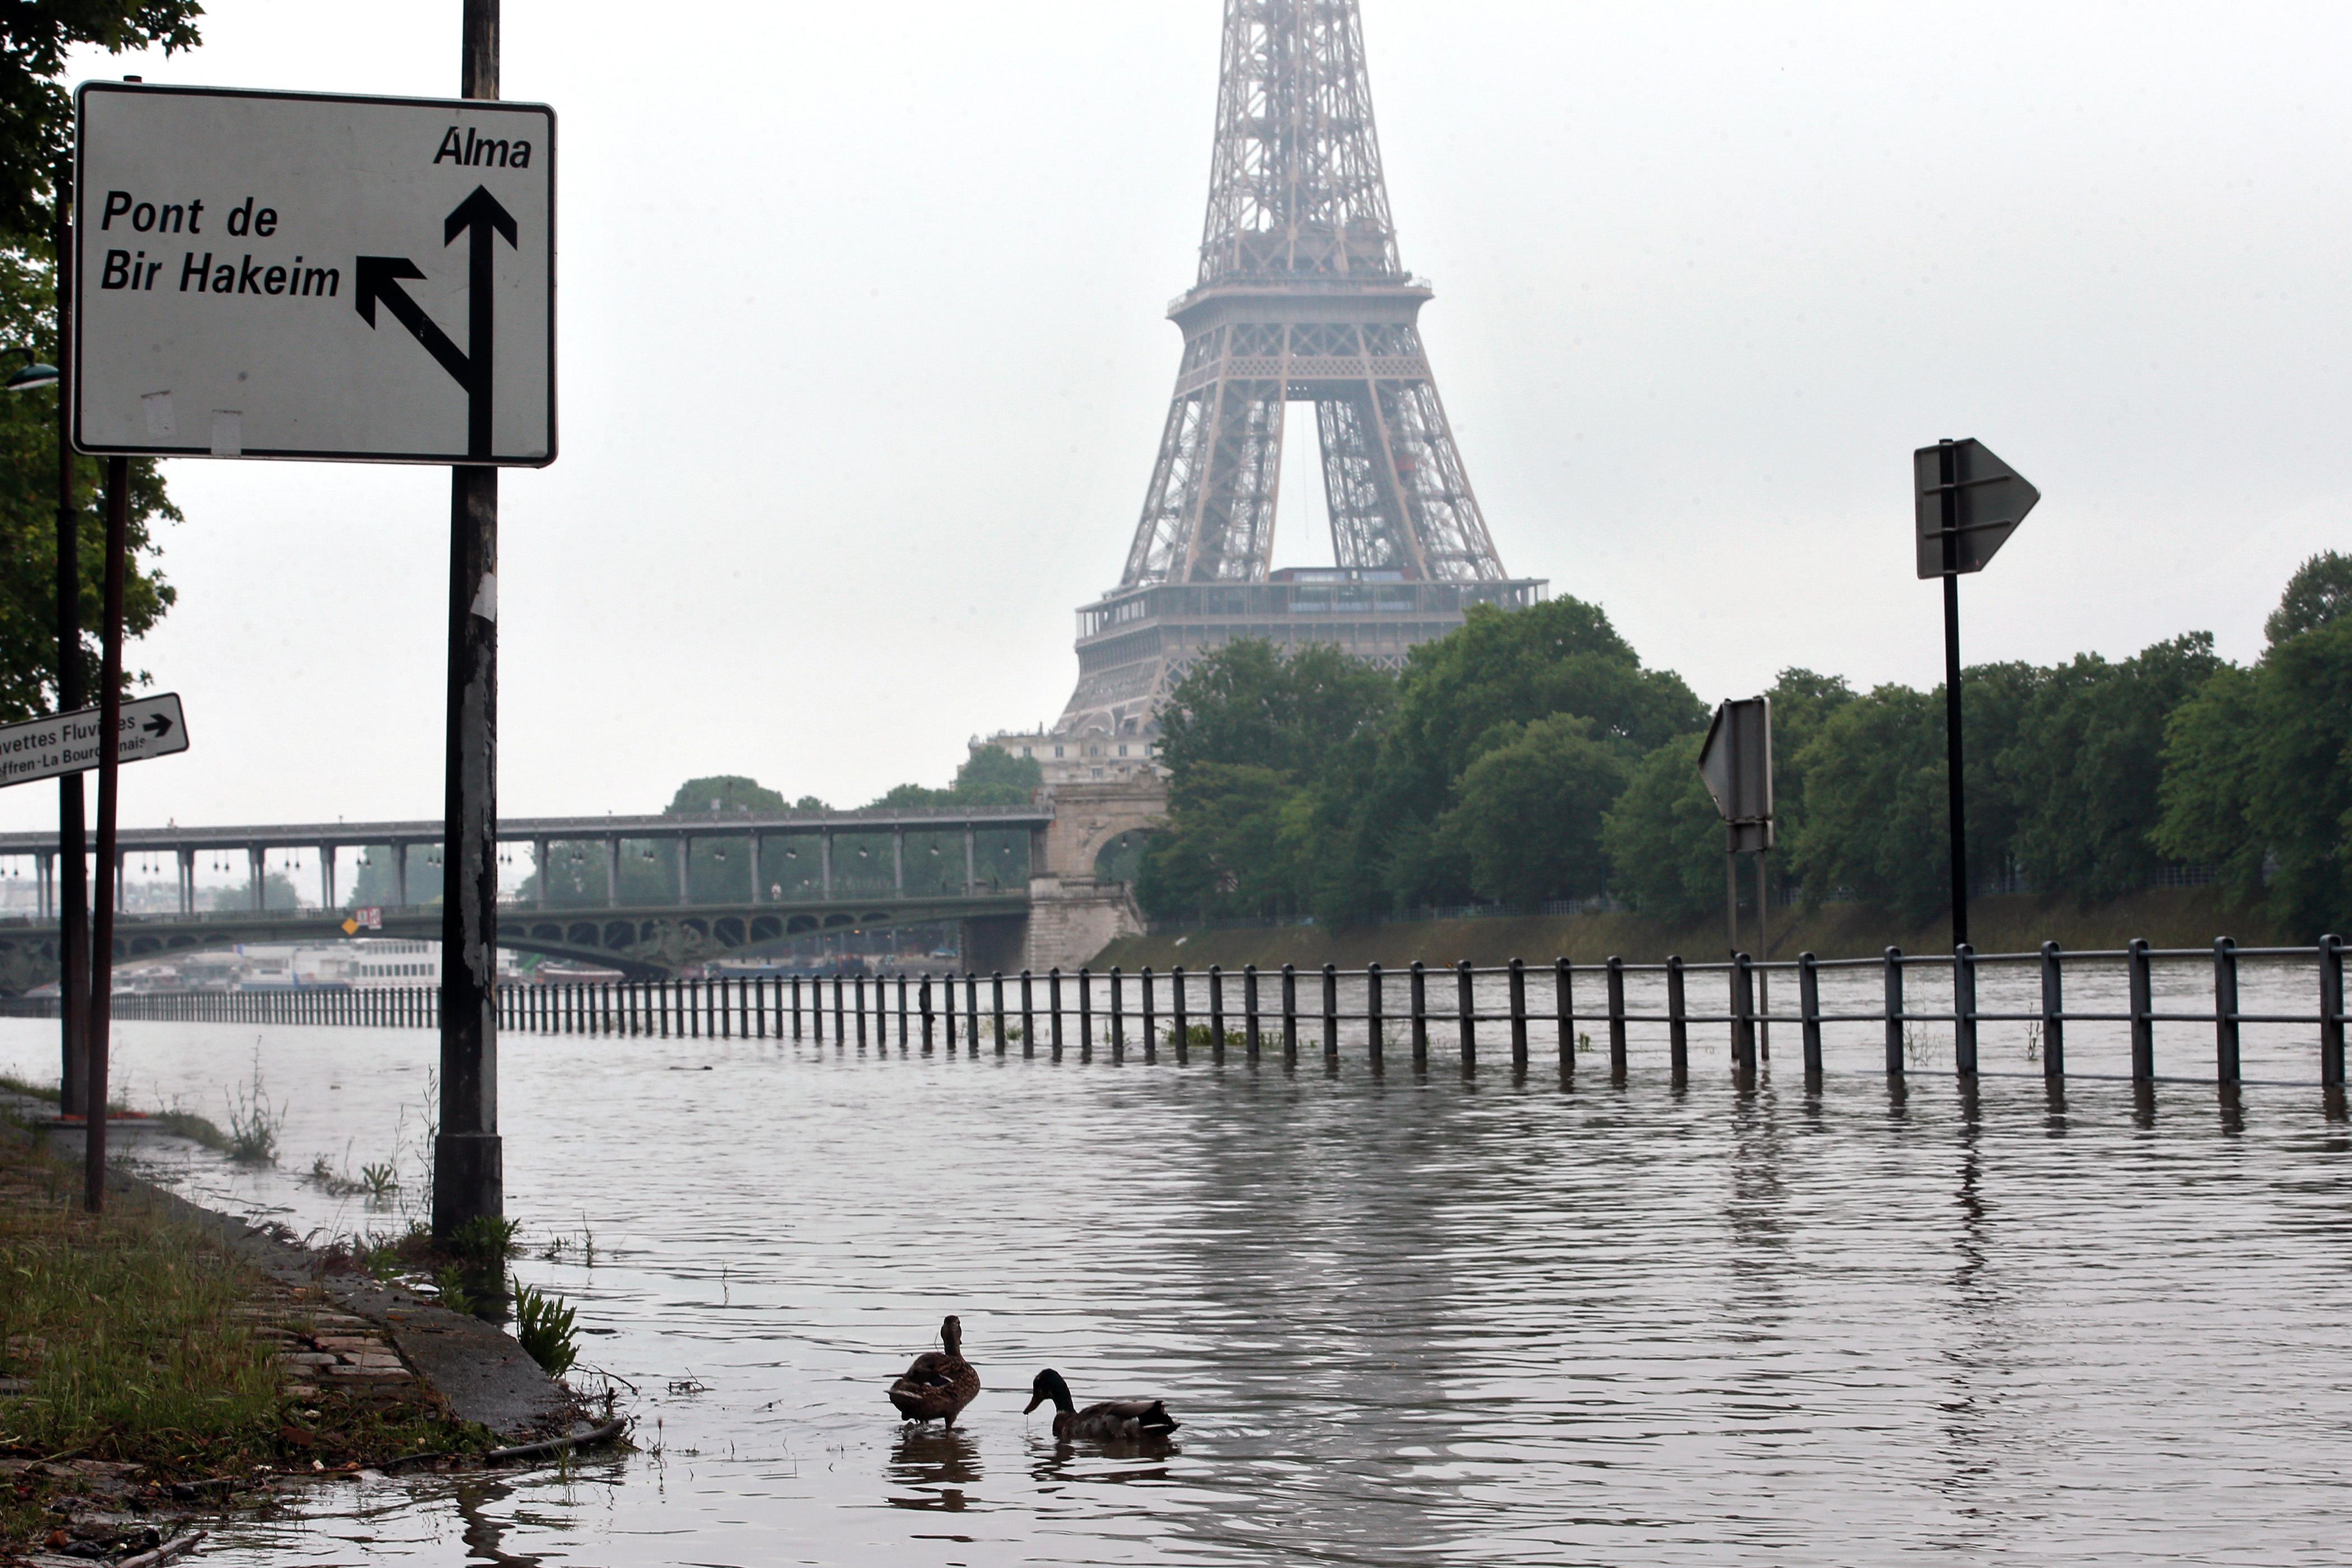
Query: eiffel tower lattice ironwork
[1301, 296]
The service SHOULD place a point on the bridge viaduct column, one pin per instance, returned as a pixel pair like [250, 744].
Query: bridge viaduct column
[898, 861]
[539, 856]
[122, 894]
[970, 860]
[755, 866]
[256, 869]
[612, 873]
[685, 856]
[400, 873]
[824, 864]
[45, 883]
[187, 860]
[326, 876]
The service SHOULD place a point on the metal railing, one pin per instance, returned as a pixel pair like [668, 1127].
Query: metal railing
[1418, 1011]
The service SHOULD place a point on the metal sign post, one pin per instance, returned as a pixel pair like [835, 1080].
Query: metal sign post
[1967, 504]
[1734, 762]
[281, 275]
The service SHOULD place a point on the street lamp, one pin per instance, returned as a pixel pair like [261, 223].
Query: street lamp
[33, 374]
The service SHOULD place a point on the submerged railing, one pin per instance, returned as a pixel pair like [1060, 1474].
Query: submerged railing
[1553, 1009]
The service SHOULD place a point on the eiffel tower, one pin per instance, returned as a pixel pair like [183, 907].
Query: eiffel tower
[1301, 297]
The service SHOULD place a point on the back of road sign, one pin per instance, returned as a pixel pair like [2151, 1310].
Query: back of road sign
[1990, 499]
[297, 275]
[1736, 764]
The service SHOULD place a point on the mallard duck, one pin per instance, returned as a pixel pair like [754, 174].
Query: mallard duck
[940, 1382]
[1112, 1419]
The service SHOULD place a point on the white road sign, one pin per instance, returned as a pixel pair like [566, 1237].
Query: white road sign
[68, 743]
[297, 275]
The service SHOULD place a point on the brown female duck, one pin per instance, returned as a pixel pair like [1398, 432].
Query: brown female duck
[1112, 1420]
[940, 1382]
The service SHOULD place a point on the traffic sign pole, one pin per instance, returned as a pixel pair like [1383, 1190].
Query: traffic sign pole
[73, 886]
[1955, 796]
[109, 772]
[468, 1167]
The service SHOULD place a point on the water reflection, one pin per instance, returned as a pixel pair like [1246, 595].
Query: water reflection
[938, 1464]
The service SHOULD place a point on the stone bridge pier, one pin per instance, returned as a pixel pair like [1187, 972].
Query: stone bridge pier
[1074, 910]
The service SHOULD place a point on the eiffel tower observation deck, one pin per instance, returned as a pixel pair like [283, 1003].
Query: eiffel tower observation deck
[1301, 297]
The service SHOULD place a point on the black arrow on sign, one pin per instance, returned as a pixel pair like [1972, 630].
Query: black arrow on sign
[157, 726]
[379, 278]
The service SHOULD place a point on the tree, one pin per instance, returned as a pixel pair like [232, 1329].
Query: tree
[36, 127]
[2320, 591]
[1874, 804]
[989, 776]
[1262, 750]
[1501, 668]
[1664, 839]
[2258, 778]
[1530, 809]
[36, 116]
[28, 520]
[994, 776]
[2085, 764]
[1247, 704]
[1230, 848]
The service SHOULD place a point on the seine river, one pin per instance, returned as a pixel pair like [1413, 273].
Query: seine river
[1405, 1319]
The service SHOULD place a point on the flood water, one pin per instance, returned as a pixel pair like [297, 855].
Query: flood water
[1404, 1319]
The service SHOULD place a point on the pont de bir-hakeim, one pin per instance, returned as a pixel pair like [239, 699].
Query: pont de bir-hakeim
[1301, 296]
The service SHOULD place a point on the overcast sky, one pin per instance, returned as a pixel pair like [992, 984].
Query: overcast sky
[863, 361]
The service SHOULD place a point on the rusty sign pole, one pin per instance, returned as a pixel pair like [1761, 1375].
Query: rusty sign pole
[468, 1165]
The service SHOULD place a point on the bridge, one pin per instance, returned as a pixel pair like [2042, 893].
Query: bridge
[1029, 886]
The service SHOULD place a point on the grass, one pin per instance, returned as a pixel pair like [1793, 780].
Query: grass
[129, 1337]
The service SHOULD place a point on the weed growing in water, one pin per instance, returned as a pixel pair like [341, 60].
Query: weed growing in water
[486, 1238]
[543, 1326]
[449, 1288]
[380, 1179]
[252, 1122]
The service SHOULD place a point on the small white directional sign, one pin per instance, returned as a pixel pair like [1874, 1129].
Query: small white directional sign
[298, 275]
[68, 743]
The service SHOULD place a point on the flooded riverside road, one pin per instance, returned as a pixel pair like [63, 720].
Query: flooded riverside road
[1403, 1319]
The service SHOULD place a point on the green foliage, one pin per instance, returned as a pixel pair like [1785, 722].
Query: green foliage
[2258, 773]
[1531, 756]
[1314, 782]
[1265, 755]
[36, 131]
[543, 1327]
[722, 795]
[1247, 705]
[2085, 765]
[994, 776]
[1874, 802]
[485, 1238]
[1664, 839]
[1529, 810]
[36, 116]
[2320, 591]
[28, 515]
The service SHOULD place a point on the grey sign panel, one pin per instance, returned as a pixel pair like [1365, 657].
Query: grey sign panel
[1736, 764]
[1988, 499]
[298, 275]
[66, 743]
